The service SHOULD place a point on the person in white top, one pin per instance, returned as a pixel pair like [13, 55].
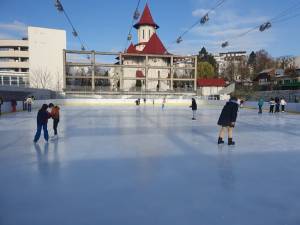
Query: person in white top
[283, 104]
[29, 103]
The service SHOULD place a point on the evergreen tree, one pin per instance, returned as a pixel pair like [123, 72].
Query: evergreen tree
[204, 56]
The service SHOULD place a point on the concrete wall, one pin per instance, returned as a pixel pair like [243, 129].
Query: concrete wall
[46, 56]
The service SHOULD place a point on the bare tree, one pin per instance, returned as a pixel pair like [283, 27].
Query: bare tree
[263, 61]
[285, 62]
[41, 78]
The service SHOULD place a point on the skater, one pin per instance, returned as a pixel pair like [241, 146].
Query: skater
[227, 120]
[277, 105]
[1, 103]
[242, 103]
[283, 104]
[194, 108]
[145, 101]
[272, 104]
[29, 102]
[42, 121]
[55, 116]
[153, 102]
[14, 105]
[24, 104]
[163, 104]
[260, 105]
[138, 102]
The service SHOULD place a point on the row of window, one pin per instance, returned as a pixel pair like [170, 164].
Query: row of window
[14, 48]
[13, 59]
[13, 81]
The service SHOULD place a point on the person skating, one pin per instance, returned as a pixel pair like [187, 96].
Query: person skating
[25, 104]
[1, 103]
[163, 104]
[55, 116]
[42, 121]
[227, 120]
[14, 105]
[283, 104]
[29, 102]
[260, 105]
[194, 108]
[277, 105]
[272, 105]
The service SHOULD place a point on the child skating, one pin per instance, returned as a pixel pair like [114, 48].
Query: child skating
[194, 108]
[260, 105]
[272, 105]
[283, 104]
[42, 121]
[227, 120]
[163, 104]
[55, 116]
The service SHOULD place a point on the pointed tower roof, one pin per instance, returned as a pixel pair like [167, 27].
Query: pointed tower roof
[146, 19]
[131, 49]
[155, 46]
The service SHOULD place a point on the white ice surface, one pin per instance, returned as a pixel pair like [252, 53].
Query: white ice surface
[145, 166]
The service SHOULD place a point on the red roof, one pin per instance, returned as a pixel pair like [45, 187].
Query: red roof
[155, 46]
[210, 82]
[131, 49]
[146, 19]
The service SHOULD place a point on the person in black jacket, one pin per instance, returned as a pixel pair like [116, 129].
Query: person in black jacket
[194, 108]
[42, 121]
[227, 120]
[1, 103]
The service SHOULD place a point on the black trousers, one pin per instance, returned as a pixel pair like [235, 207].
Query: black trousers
[260, 109]
[55, 124]
[271, 108]
[277, 107]
[283, 108]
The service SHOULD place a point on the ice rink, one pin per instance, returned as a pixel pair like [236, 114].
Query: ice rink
[144, 166]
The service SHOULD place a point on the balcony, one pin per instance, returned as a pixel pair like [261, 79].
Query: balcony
[14, 64]
[17, 54]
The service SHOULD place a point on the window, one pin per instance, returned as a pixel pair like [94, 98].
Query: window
[149, 34]
[143, 34]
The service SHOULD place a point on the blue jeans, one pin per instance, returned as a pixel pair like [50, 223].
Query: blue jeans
[39, 130]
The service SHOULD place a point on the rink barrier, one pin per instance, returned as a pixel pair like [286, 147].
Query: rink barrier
[6, 107]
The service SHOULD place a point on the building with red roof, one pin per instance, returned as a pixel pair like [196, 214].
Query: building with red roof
[210, 86]
[148, 43]
[148, 40]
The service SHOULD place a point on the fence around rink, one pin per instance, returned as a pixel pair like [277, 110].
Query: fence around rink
[6, 107]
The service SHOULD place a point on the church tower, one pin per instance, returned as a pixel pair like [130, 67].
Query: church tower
[146, 27]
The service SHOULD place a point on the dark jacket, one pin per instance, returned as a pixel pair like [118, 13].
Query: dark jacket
[194, 105]
[228, 114]
[42, 117]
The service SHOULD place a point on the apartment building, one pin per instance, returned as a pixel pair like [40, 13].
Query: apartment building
[35, 61]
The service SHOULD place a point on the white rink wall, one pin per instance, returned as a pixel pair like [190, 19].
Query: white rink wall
[6, 107]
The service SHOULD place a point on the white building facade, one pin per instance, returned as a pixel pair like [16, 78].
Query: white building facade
[36, 61]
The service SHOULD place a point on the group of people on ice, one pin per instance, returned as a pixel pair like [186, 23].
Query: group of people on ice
[275, 105]
[44, 114]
